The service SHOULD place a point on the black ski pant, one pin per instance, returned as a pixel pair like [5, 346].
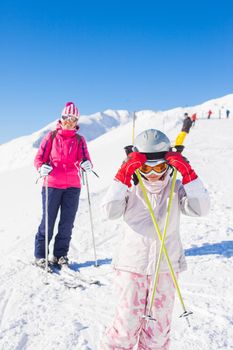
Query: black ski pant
[67, 201]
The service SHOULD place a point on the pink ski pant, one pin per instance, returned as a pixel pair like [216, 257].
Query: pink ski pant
[128, 328]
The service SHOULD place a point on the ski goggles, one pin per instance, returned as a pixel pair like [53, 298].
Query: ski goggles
[69, 118]
[158, 169]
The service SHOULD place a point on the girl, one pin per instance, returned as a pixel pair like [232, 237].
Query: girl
[136, 257]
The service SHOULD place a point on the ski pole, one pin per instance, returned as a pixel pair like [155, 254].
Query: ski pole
[46, 229]
[133, 131]
[91, 220]
[94, 173]
[162, 245]
[157, 229]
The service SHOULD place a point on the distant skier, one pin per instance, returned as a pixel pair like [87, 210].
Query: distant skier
[138, 250]
[60, 156]
[227, 113]
[209, 114]
[187, 123]
[194, 118]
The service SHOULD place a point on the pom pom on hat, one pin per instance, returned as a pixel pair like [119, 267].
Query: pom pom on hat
[70, 110]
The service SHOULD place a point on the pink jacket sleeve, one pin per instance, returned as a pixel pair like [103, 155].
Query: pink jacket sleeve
[43, 153]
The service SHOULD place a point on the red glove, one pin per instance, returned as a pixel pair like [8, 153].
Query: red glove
[133, 162]
[176, 160]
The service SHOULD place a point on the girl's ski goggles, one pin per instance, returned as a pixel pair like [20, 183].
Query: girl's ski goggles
[159, 169]
[70, 118]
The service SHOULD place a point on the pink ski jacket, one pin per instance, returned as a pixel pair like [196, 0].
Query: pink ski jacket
[64, 153]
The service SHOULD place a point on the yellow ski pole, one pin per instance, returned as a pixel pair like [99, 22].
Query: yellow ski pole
[162, 244]
[185, 313]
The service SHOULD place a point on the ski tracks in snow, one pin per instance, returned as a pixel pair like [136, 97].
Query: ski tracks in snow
[211, 303]
[38, 316]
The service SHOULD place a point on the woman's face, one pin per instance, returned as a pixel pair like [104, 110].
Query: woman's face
[68, 124]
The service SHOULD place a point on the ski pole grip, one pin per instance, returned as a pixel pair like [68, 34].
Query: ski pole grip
[128, 149]
[178, 148]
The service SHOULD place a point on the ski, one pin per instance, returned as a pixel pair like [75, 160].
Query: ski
[70, 284]
[54, 272]
[66, 280]
[66, 271]
[50, 269]
[69, 278]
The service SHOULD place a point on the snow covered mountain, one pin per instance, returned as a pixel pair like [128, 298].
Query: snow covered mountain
[38, 316]
[21, 151]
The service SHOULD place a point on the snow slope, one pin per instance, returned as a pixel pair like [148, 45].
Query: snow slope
[38, 316]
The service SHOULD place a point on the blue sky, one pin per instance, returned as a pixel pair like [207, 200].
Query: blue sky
[110, 54]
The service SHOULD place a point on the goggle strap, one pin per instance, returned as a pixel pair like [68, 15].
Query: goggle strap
[155, 156]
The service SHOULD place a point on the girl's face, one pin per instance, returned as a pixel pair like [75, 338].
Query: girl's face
[154, 172]
[154, 177]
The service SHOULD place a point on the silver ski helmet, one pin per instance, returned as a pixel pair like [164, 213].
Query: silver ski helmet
[153, 143]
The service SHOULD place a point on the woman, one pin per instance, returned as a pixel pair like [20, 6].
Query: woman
[60, 156]
[138, 251]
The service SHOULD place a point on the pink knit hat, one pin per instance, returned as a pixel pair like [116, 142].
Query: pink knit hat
[70, 110]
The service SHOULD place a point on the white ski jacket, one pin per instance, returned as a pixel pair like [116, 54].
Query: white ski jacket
[139, 249]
